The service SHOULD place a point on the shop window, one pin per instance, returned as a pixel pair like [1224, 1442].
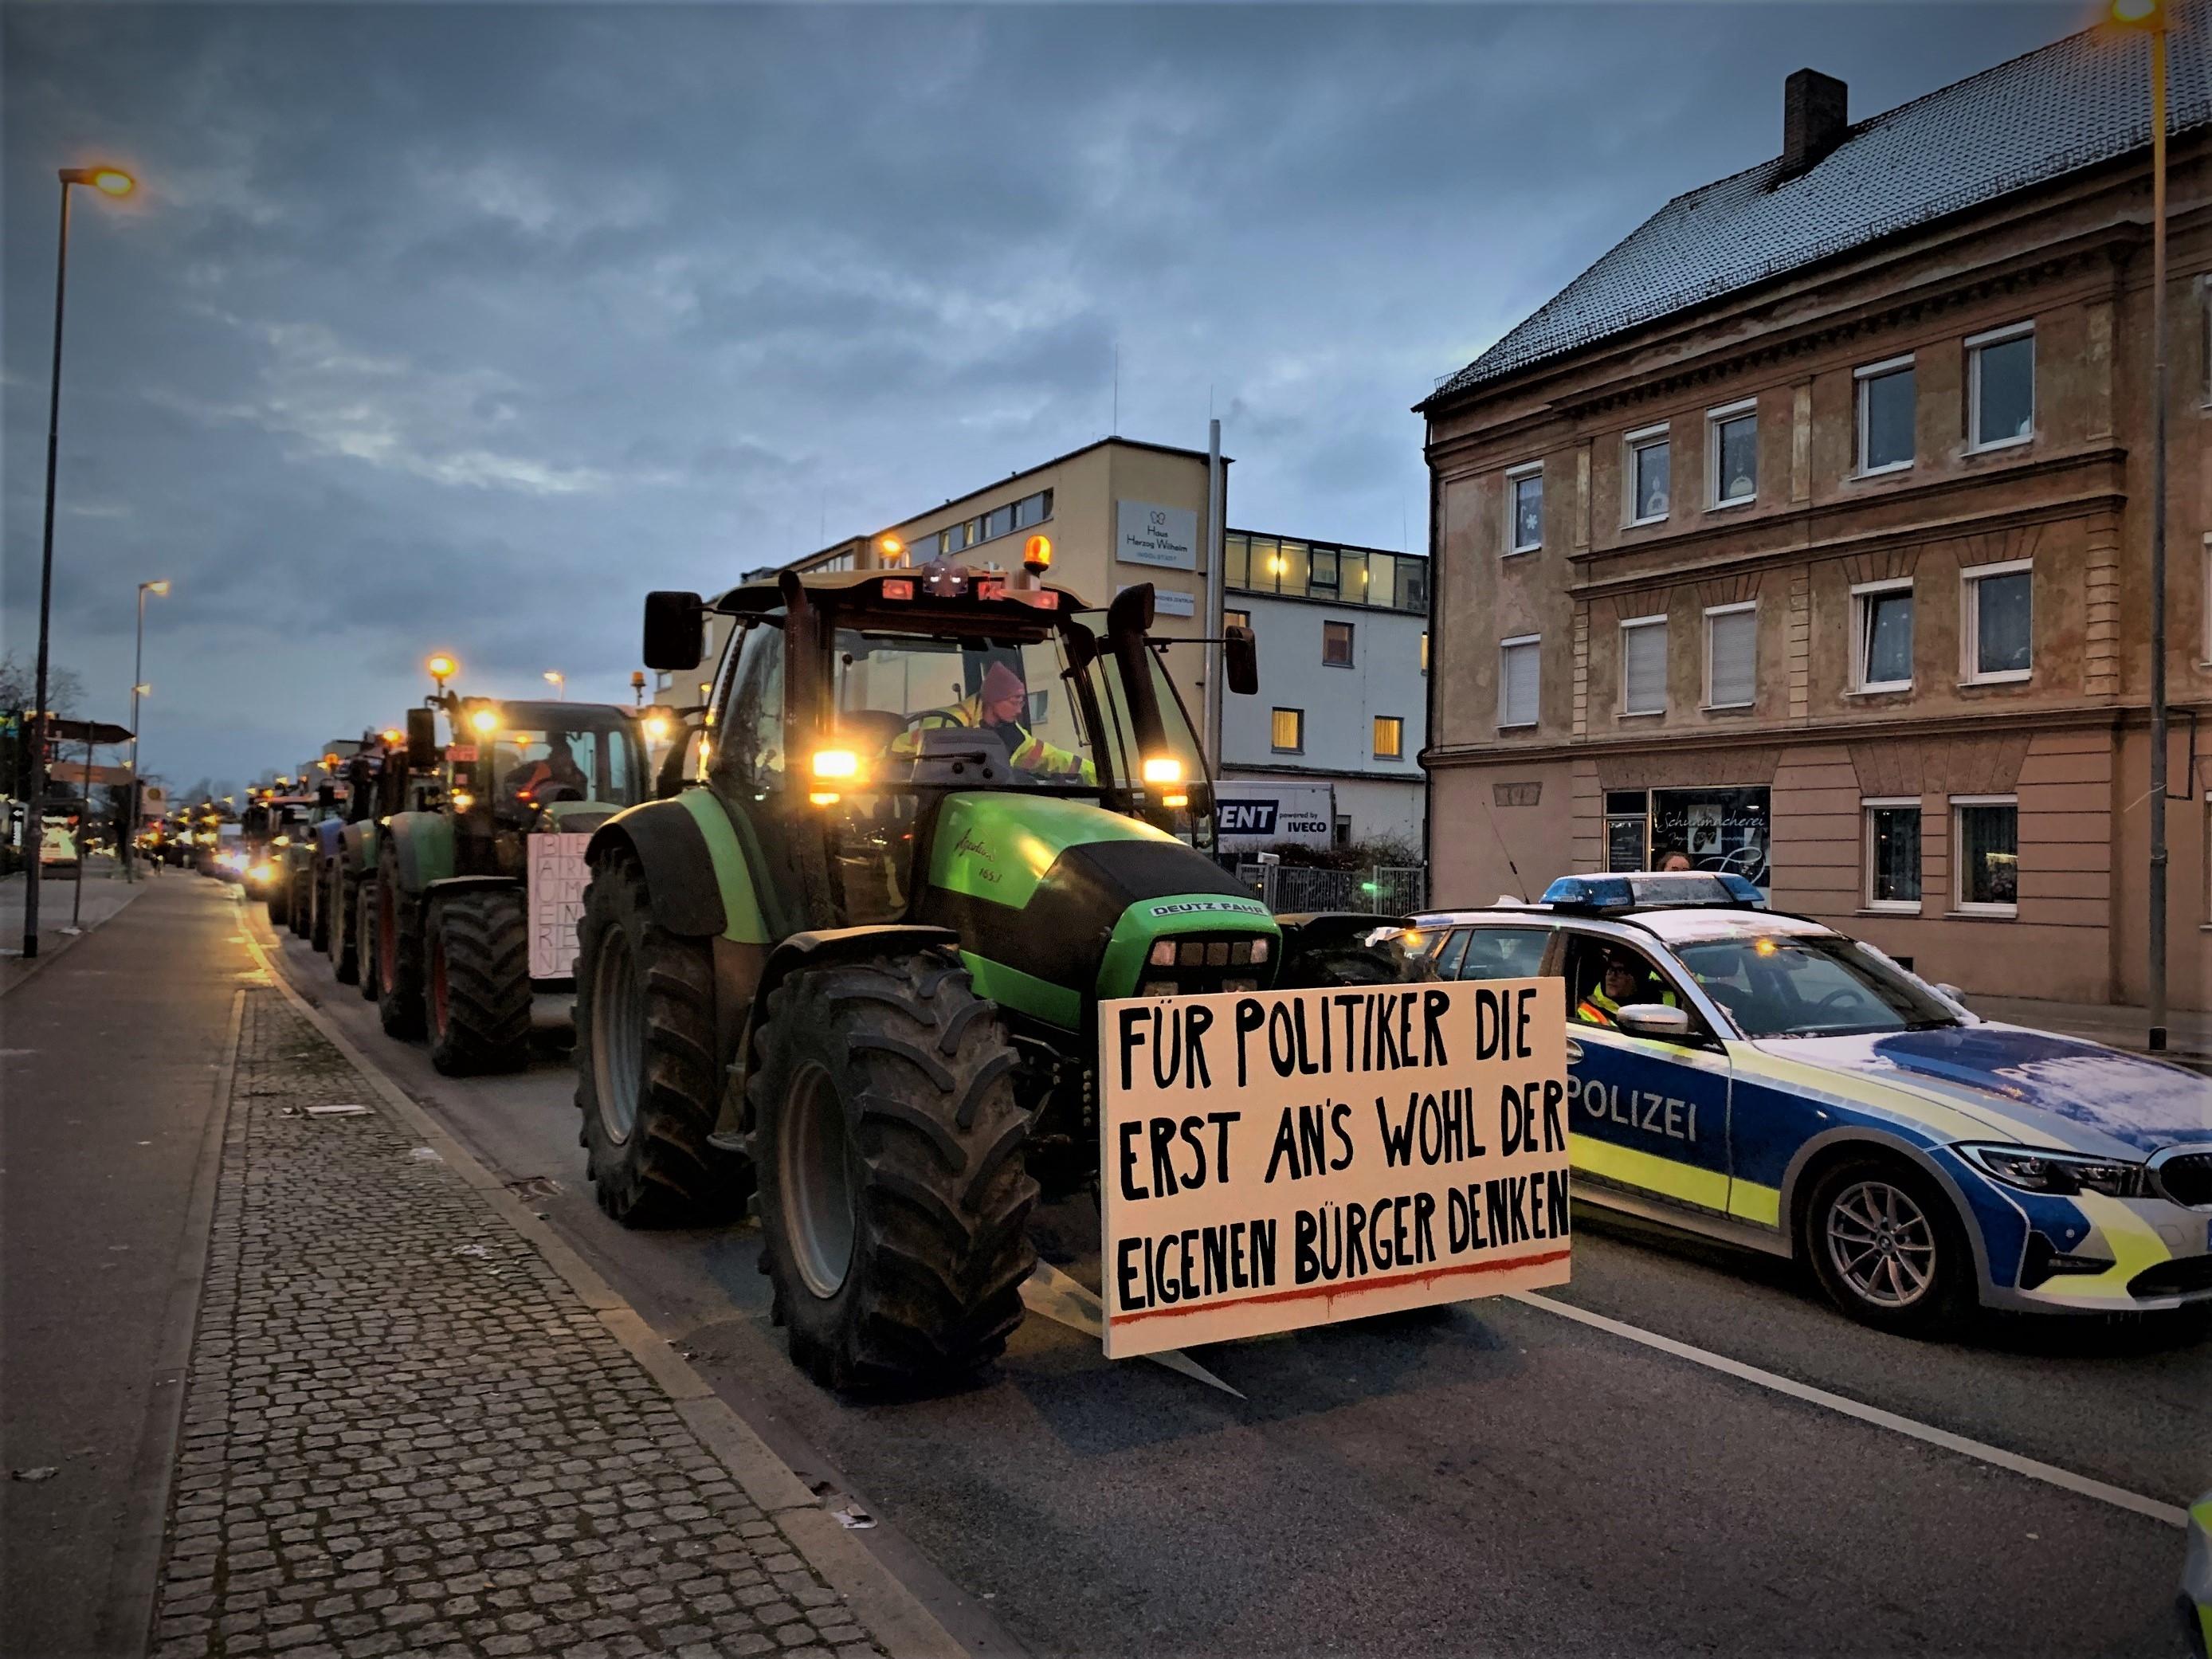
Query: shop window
[1336, 644]
[1995, 626]
[1732, 446]
[1644, 665]
[1986, 832]
[1235, 619]
[1389, 737]
[1518, 680]
[1647, 471]
[1288, 731]
[1524, 508]
[1893, 855]
[1732, 655]
[1627, 829]
[1716, 828]
[2001, 388]
[1883, 626]
[1886, 417]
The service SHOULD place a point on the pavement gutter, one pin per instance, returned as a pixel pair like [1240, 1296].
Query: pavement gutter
[134, 1576]
[891, 1612]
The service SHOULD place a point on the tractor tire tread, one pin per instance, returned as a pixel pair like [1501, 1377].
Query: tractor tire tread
[486, 938]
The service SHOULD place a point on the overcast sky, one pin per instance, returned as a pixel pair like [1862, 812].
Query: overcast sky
[461, 326]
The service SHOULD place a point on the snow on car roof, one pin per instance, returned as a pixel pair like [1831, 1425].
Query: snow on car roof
[1679, 925]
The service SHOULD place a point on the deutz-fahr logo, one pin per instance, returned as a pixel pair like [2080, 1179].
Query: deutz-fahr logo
[1200, 907]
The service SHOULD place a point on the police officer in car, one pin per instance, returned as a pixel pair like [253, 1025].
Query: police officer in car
[1623, 982]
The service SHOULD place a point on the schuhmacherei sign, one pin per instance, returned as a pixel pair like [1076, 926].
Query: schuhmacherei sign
[1281, 1159]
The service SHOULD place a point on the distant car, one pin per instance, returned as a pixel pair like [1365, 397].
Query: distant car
[1765, 1079]
[58, 848]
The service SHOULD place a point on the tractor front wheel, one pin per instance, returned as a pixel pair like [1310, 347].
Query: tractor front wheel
[399, 955]
[894, 1197]
[345, 928]
[478, 981]
[275, 901]
[647, 1086]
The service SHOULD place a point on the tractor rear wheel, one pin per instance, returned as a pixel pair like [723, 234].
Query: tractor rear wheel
[894, 1197]
[399, 955]
[345, 928]
[307, 901]
[648, 1084]
[275, 901]
[364, 930]
[477, 982]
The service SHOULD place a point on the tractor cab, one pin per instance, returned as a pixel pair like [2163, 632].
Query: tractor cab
[510, 765]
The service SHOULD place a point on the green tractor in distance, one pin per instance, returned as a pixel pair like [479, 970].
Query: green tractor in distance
[480, 870]
[268, 830]
[345, 854]
[301, 862]
[856, 967]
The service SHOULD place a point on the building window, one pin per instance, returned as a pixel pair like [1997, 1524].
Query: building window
[1321, 573]
[1644, 665]
[1893, 854]
[1884, 630]
[1716, 828]
[2001, 388]
[1336, 644]
[1518, 680]
[1650, 471]
[1389, 737]
[1732, 440]
[1627, 829]
[1996, 625]
[1288, 733]
[1732, 655]
[1886, 417]
[1235, 619]
[1425, 651]
[1987, 837]
[1524, 508]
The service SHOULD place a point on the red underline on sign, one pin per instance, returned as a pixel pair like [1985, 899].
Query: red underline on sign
[1307, 1292]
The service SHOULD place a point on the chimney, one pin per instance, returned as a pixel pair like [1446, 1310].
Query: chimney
[1816, 117]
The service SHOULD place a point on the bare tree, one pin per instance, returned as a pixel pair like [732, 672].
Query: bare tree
[19, 681]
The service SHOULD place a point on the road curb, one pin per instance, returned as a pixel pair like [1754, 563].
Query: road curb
[891, 1612]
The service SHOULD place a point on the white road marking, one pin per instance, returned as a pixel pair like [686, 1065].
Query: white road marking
[2050, 1474]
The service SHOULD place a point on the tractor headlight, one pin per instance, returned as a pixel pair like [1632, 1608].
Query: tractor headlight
[837, 763]
[283, 841]
[260, 872]
[1162, 769]
[2035, 1170]
[1163, 954]
[463, 800]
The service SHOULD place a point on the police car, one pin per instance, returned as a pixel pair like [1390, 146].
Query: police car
[1762, 1079]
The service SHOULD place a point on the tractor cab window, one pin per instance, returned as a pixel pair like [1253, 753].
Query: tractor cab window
[1169, 799]
[908, 708]
[540, 767]
[746, 742]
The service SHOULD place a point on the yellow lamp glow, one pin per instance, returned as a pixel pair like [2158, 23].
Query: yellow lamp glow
[160, 588]
[485, 721]
[1163, 769]
[2139, 13]
[656, 727]
[389, 734]
[892, 548]
[112, 181]
[837, 763]
[442, 667]
[823, 797]
[1037, 553]
[463, 800]
[1175, 800]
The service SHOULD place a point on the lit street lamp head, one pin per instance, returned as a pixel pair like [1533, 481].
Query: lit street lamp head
[2139, 13]
[109, 181]
[161, 586]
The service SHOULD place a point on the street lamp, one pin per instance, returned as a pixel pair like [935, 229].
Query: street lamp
[558, 681]
[138, 689]
[2149, 17]
[109, 181]
[442, 668]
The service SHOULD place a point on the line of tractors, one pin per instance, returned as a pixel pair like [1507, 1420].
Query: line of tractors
[836, 937]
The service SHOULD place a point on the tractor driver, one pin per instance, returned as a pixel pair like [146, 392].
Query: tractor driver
[999, 707]
[555, 775]
[1625, 980]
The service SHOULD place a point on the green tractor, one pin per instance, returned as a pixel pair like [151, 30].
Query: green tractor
[479, 850]
[855, 967]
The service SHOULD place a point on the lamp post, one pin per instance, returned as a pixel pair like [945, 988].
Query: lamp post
[108, 181]
[558, 681]
[2149, 17]
[130, 847]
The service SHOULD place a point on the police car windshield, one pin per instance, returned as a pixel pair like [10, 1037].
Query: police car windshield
[1777, 985]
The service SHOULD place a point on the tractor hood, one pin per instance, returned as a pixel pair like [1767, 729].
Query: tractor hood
[1057, 902]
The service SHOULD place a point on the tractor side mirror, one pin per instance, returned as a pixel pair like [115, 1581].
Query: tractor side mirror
[1240, 659]
[326, 797]
[675, 630]
[1131, 612]
[422, 739]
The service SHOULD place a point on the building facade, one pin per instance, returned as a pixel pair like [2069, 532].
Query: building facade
[1807, 533]
[1328, 751]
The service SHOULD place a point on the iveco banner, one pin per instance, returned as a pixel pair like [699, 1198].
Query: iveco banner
[1275, 1160]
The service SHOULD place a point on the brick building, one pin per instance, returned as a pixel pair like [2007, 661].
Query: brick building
[1806, 531]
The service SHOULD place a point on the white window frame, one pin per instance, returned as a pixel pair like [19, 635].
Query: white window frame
[1514, 476]
[1534, 641]
[1868, 806]
[1714, 417]
[1973, 346]
[1861, 642]
[1861, 378]
[1959, 903]
[1970, 643]
[1711, 611]
[1629, 625]
[1631, 444]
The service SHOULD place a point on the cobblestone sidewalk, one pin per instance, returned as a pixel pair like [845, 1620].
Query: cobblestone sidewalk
[405, 1433]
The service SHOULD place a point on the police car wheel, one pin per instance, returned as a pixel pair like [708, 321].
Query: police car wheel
[1887, 1247]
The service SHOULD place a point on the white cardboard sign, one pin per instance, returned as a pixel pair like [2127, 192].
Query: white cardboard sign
[558, 876]
[1281, 1159]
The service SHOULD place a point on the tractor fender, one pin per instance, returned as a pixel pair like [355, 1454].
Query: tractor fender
[422, 844]
[821, 947]
[329, 838]
[450, 885]
[359, 843]
[670, 844]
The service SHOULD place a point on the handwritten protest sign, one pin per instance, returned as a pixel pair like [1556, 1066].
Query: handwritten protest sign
[1281, 1159]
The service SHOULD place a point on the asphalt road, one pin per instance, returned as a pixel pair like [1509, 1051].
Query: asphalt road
[1490, 1478]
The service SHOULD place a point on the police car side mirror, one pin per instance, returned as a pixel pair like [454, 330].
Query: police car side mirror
[1655, 1019]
